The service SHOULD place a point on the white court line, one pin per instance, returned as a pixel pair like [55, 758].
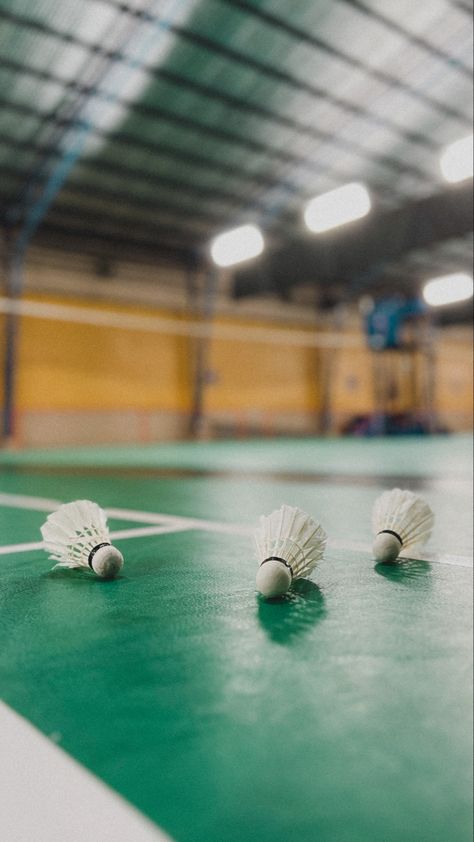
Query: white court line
[21, 548]
[42, 504]
[179, 520]
[49, 797]
[21, 501]
[140, 532]
[428, 555]
[177, 523]
[449, 558]
[143, 531]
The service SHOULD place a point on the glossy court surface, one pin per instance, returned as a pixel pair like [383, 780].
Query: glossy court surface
[341, 713]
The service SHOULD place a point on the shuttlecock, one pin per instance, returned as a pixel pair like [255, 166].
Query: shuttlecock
[76, 535]
[402, 521]
[289, 544]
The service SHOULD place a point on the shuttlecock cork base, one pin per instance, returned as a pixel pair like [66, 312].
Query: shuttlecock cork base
[105, 560]
[274, 577]
[289, 543]
[387, 546]
[76, 535]
[402, 523]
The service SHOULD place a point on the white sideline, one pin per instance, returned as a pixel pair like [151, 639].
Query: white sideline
[428, 555]
[47, 796]
[141, 532]
[176, 523]
[42, 504]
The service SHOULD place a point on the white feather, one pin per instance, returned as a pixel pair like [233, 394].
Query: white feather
[291, 534]
[405, 513]
[73, 530]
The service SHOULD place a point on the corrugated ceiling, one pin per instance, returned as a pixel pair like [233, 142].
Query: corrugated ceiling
[151, 126]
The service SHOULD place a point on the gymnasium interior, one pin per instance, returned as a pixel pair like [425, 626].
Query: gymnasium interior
[236, 275]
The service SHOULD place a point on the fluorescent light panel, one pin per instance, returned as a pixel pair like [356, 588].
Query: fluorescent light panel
[448, 289]
[337, 207]
[457, 160]
[237, 245]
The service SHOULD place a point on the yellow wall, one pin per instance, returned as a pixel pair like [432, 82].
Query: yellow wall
[248, 375]
[453, 381]
[65, 367]
[350, 377]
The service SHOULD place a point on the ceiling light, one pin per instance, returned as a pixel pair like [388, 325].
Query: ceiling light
[457, 160]
[237, 245]
[337, 207]
[448, 289]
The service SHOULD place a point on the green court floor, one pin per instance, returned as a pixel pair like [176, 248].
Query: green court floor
[341, 713]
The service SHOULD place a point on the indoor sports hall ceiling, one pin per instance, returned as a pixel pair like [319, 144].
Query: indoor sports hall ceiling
[146, 128]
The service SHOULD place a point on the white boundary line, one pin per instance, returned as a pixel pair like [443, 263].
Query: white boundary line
[50, 797]
[121, 534]
[163, 523]
[22, 501]
[435, 558]
[11, 549]
[42, 504]
[143, 531]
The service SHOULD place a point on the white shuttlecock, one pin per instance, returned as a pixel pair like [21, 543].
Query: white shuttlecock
[76, 535]
[289, 544]
[402, 523]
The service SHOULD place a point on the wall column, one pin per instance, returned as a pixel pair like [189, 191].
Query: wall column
[204, 306]
[13, 288]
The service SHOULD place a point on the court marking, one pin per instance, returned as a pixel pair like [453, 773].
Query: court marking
[52, 797]
[140, 532]
[176, 523]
